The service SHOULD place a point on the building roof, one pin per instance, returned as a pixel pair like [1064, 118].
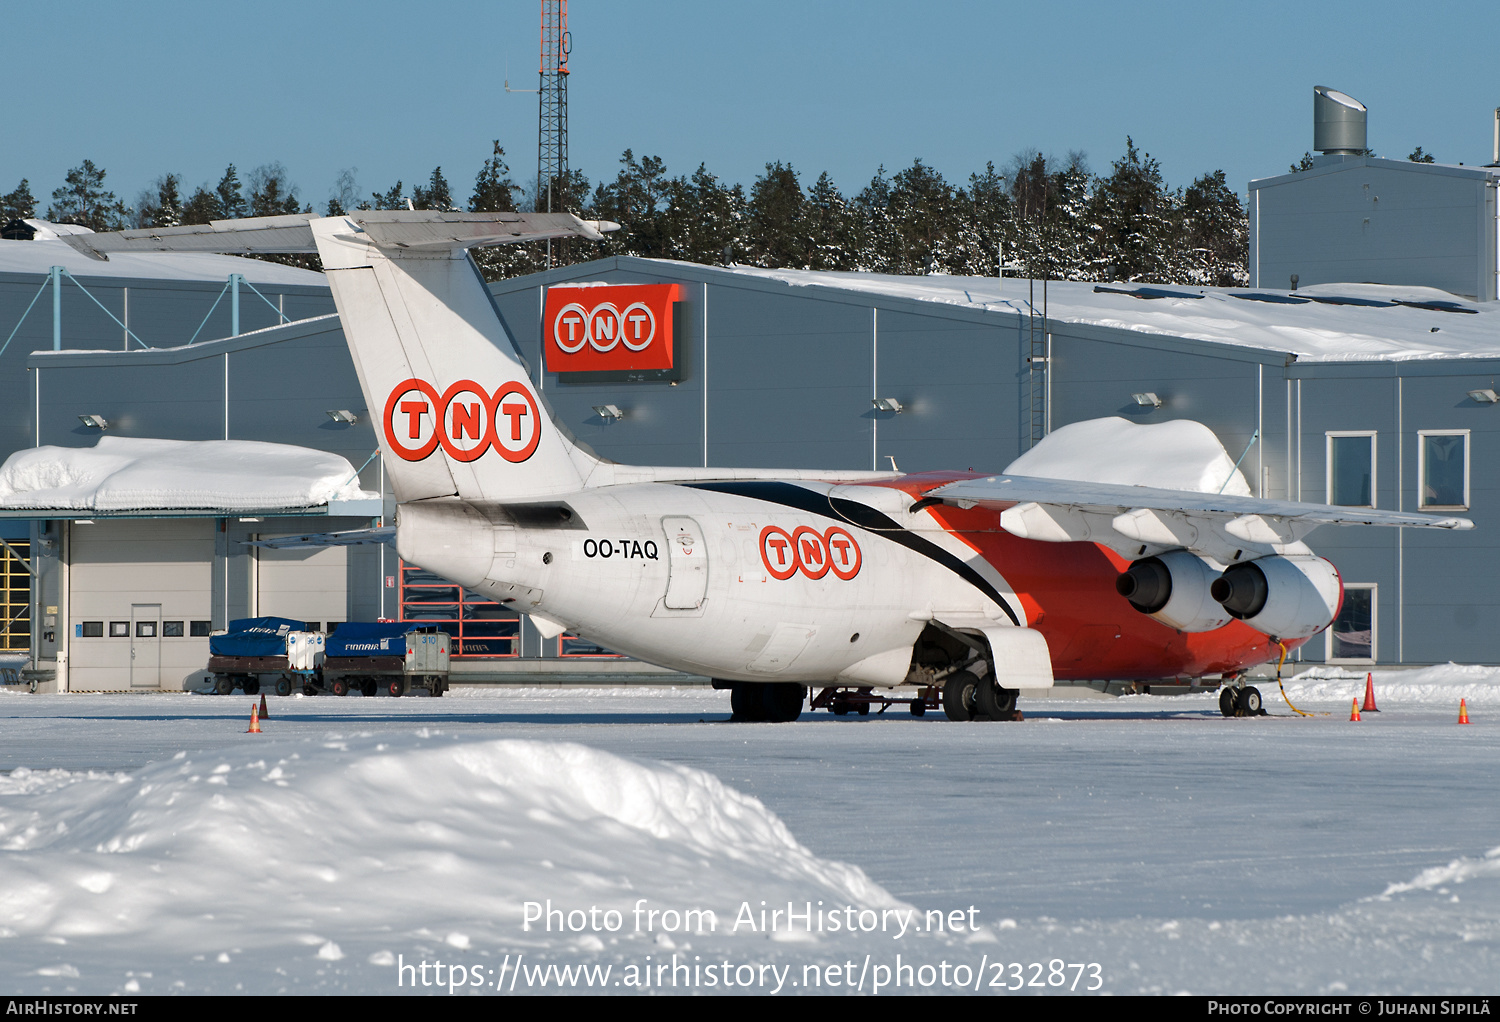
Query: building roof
[1323, 165]
[1321, 323]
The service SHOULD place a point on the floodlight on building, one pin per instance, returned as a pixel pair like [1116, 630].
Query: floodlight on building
[609, 411]
[94, 421]
[886, 404]
[1146, 400]
[343, 415]
[1487, 396]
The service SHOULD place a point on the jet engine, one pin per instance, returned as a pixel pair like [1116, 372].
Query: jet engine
[1290, 597]
[1174, 588]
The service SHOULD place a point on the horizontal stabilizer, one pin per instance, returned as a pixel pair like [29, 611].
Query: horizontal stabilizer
[392, 230]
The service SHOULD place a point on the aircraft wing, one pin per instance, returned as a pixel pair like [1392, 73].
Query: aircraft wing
[392, 229]
[1140, 520]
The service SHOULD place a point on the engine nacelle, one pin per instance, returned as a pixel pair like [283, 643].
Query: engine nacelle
[1290, 597]
[1175, 590]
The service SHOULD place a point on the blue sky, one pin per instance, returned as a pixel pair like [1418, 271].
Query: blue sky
[394, 89]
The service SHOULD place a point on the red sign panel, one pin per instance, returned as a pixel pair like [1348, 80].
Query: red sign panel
[619, 327]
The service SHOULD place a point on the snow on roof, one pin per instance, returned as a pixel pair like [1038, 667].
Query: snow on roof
[132, 473]
[1320, 323]
[41, 253]
[1176, 455]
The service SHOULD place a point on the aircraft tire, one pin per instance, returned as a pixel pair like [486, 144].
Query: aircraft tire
[1228, 701]
[747, 701]
[994, 702]
[783, 702]
[958, 696]
[1250, 702]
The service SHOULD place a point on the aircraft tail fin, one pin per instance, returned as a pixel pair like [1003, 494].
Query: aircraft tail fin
[454, 410]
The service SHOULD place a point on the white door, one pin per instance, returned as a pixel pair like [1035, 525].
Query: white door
[145, 645]
[687, 564]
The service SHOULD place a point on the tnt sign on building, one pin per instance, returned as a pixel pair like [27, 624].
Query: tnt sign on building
[623, 331]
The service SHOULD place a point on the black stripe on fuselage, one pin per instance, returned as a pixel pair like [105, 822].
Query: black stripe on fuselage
[863, 516]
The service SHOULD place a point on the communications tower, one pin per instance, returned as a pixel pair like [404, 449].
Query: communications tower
[552, 113]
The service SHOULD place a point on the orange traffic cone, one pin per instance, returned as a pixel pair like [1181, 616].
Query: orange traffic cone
[1369, 706]
[1354, 709]
[1463, 712]
[254, 720]
[265, 714]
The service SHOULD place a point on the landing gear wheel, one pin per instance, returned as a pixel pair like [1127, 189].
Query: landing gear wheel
[339, 687]
[746, 701]
[369, 689]
[783, 702]
[223, 686]
[252, 687]
[958, 696]
[396, 687]
[283, 686]
[995, 702]
[1250, 702]
[1228, 701]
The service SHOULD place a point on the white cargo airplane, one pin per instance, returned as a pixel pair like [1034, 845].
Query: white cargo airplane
[769, 581]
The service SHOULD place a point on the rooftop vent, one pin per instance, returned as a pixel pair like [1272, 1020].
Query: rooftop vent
[1339, 123]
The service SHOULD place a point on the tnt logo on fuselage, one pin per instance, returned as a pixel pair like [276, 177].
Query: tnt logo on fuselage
[809, 551]
[465, 421]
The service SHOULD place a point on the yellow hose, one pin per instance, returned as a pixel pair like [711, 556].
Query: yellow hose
[1279, 663]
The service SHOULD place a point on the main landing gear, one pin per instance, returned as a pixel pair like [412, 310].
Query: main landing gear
[766, 701]
[968, 697]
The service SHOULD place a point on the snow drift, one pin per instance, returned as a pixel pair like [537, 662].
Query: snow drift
[281, 850]
[130, 473]
[1177, 455]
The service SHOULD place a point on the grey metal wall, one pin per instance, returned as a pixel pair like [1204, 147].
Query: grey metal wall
[1366, 220]
[777, 375]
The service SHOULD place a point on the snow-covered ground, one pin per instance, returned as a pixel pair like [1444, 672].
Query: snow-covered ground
[1142, 844]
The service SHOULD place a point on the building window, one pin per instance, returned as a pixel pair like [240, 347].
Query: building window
[1443, 468]
[1351, 469]
[1351, 637]
[119, 629]
[198, 629]
[171, 629]
[92, 630]
[145, 629]
[15, 595]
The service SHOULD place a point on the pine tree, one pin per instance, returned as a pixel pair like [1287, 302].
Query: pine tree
[270, 193]
[85, 201]
[831, 226]
[1216, 234]
[201, 207]
[391, 199]
[19, 204]
[776, 235]
[703, 217]
[436, 195]
[635, 200]
[1137, 218]
[1418, 156]
[494, 191]
[161, 205]
[231, 200]
[1306, 163]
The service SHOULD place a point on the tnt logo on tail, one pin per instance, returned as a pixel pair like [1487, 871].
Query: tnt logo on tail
[465, 421]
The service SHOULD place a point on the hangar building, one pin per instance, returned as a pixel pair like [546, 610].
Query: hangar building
[1375, 395]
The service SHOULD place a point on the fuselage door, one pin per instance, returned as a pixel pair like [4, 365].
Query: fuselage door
[687, 564]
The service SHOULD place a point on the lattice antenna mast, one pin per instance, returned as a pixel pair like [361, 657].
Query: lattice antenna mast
[552, 112]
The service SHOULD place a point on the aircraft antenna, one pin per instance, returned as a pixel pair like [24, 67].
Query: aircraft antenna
[552, 110]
